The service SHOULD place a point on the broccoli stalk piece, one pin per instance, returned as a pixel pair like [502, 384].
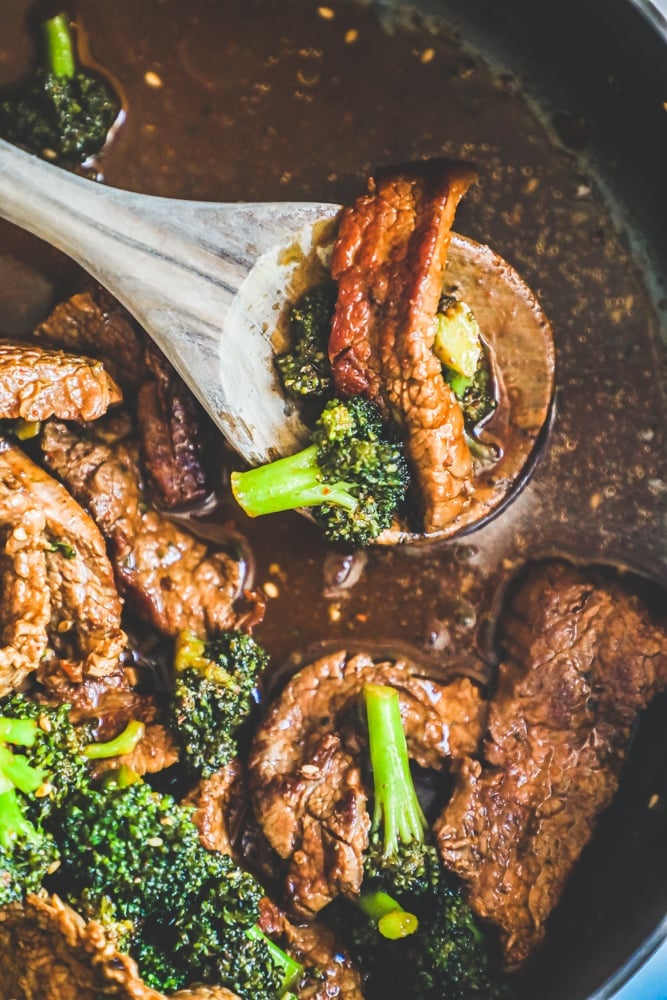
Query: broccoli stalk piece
[443, 955]
[291, 971]
[397, 854]
[212, 696]
[353, 474]
[305, 370]
[458, 344]
[64, 114]
[26, 851]
[120, 745]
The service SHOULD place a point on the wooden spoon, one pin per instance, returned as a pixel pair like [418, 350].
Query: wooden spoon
[209, 283]
[206, 281]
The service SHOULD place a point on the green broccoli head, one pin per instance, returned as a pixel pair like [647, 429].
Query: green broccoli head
[212, 696]
[305, 370]
[446, 957]
[63, 114]
[27, 851]
[412, 930]
[135, 855]
[353, 474]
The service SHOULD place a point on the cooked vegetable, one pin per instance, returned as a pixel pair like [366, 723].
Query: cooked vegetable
[26, 851]
[458, 344]
[353, 473]
[128, 856]
[213, 695]
[305, 370]
[445, 957]
[120, 745]
[64, 113]
[457, 337]
[135, 856]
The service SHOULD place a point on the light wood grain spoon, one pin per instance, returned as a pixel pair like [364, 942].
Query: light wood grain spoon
[205, 280]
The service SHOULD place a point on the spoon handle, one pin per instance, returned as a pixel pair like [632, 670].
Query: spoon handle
[177, 266]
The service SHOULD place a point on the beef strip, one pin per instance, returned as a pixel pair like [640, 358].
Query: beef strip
[170, 420]
[304, 772]
[389, 261]
[172, 434]
[36, 383]
[49, 952]
[172, 579]
[220, 806]
[227, 823]
[93, 322]
[58, 587]
[25, 610]
[583, 659]
[316, 947]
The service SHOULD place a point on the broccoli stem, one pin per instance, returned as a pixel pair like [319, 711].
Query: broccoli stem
[124, 743]
[16, 773]
[13, 823]
[21, 732]
[290, 968]
[391, 919]
[61, 60]
[289, 483]
[396, 811]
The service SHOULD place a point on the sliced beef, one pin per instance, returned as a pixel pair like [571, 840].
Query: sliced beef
[305, 773]
[227, 823]
[170, 420]
[168, 576]
[583, 659]
[58, 586]
[48, 952]
[220, 805]
[389, 261]
[93, 322]
[316, 947]
[36, 383]
[25, 610]
[171, 433]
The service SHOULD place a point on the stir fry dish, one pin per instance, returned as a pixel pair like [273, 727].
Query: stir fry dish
[186, 815]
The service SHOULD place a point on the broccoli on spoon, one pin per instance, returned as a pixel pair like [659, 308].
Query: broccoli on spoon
[353, 474]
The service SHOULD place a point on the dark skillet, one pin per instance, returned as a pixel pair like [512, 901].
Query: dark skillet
[261, 99]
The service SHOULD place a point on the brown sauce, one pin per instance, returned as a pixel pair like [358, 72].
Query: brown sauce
[276, 100]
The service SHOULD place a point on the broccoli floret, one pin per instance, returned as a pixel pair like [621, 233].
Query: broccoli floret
[136, 854]
[212, 696]
[398, 858]
[27, 852]
[428, 944]
[305, 370]
[64, 113]
[353, 475]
